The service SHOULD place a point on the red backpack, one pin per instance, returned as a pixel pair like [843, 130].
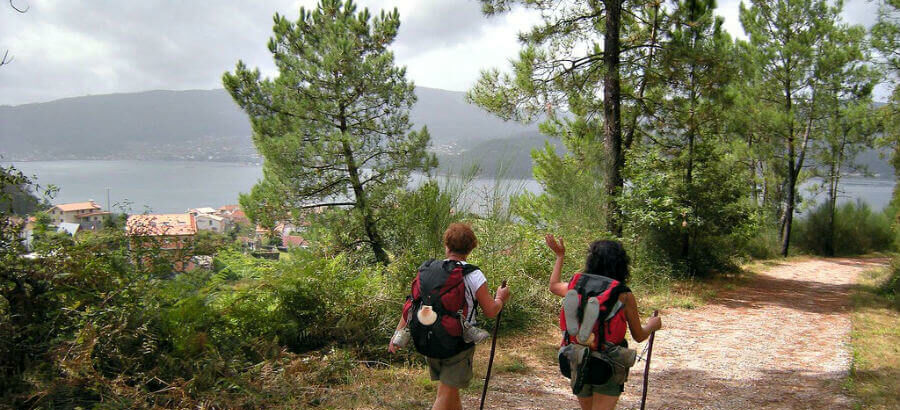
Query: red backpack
[439, 284]
[606, 329]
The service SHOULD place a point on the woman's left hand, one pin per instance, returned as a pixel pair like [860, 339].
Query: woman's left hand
[559, 248]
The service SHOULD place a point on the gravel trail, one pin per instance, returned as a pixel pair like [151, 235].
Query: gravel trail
[779, 342]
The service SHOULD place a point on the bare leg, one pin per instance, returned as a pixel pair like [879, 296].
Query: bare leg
[604, 402]
[585, 402]
[447, 398]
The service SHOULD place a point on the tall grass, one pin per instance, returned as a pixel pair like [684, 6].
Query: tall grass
[857, 230]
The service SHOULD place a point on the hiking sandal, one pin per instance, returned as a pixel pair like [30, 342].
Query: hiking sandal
[570, 307]
[579, 364]
[591, 312]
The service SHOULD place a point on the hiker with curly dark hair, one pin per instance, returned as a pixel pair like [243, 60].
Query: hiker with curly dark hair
[597, 309]
[439, 315]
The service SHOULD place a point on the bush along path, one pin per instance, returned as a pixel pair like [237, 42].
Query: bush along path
[779, 341]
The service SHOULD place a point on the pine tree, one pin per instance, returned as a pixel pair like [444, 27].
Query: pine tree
[787, 38]
[333, 126]
[580, 59]
[885, 36]
[687, 134]
[846, 125]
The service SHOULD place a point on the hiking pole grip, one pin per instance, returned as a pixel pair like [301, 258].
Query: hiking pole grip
[487, 376]
[647, 365]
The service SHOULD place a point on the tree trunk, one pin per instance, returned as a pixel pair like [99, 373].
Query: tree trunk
[688, 182]
[692, 134]
[792, 175]
[362, 204]
[833, 190]
[829, 240]
[612, 115]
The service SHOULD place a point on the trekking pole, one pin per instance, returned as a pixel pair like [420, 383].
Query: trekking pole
[487, 377]
[647, 365]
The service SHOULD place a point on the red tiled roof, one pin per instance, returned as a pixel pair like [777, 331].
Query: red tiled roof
[293, 240]
[238, 217]
[161, 225]
[78, 206]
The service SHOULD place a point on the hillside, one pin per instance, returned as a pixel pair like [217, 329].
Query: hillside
[196, 124]
[208, 125]
[508, 157]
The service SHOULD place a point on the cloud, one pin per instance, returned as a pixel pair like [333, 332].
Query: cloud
[64, 48]
[440, 23]
[74, 47]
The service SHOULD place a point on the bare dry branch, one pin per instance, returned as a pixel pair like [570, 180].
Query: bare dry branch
[13, 5]
[6, 59]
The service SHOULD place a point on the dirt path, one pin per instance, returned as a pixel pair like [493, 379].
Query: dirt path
[781, 341]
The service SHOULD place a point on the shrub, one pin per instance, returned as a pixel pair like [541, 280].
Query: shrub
[892, 285]
[857, 230]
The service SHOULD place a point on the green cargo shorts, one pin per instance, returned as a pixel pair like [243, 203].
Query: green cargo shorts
[609, 388]
[454, 371]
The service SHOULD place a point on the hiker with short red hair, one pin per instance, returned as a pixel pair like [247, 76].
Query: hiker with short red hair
[439, 315]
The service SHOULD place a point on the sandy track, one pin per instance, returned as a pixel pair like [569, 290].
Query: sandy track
[779, 342]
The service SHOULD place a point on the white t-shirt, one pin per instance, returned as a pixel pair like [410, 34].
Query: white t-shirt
[474, 280]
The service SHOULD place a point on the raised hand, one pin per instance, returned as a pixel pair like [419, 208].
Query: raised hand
[558, 247]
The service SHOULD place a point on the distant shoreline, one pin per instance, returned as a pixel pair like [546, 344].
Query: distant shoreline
[440, 171]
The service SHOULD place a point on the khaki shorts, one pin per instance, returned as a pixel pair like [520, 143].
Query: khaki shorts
[609, 388]
[454, 371]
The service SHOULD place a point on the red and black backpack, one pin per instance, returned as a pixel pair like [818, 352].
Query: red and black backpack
[439, 284]
[606, 329]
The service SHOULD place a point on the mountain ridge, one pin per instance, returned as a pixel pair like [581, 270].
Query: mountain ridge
[198, 124]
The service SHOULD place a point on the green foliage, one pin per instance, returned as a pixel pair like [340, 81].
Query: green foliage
[18, 196]
[662, 210]
[886, 33]
[711, 136]
[857, 230]
[573, 194]
[807, 87]
[333, 126]
[567, 72]
[891, 286]
[421, 216]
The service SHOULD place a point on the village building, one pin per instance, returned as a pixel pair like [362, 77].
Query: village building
[199, 211]
[234, 215]
[25, 227]
[92, 220]
[210, 222]
[294, 241]
[72, 211]
[226, 210]
[171, 234]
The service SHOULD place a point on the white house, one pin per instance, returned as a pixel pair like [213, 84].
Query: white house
[209, 222]
[203, 210]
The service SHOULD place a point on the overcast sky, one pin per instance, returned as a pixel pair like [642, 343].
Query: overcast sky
[66, 48]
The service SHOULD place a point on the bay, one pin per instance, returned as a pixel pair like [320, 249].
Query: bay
[175, 186]
[154, 186]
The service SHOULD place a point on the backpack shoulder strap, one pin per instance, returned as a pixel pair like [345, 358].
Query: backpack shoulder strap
[469, 268]
[614, 294]
[426, 264]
